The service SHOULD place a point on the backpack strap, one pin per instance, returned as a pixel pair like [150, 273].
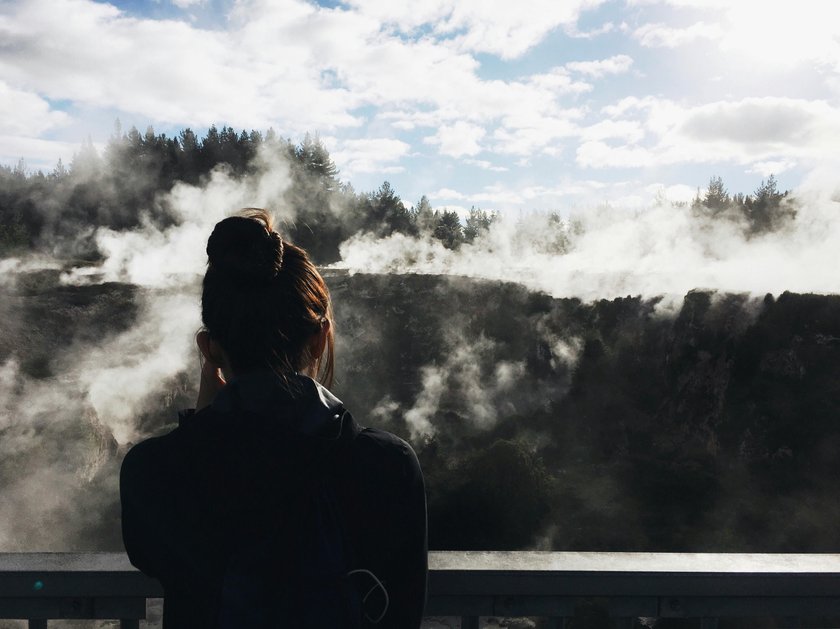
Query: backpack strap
[342, 481]
[359, 578]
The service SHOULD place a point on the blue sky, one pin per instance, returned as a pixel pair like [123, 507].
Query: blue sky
[537, 104]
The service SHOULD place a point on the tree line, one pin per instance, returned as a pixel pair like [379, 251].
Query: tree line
[127, 184]
[765, 210]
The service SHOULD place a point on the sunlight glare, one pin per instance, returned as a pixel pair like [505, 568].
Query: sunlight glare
[784, 33]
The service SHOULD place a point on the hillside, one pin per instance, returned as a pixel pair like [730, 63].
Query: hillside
[625, 424]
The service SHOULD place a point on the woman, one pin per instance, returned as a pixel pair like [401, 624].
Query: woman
[268, 506]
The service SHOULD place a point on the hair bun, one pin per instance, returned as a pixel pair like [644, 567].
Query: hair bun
[245, 249]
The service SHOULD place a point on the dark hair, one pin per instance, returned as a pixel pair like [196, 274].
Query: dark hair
[263, 299]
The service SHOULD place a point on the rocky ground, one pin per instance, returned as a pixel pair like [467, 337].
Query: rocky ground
[705, 423]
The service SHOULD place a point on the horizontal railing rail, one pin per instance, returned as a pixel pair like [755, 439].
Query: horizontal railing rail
[42, 586]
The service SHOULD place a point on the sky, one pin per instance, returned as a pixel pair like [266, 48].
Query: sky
[509, 106]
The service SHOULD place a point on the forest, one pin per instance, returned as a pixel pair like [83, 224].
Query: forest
[126, 185]
[57, 212]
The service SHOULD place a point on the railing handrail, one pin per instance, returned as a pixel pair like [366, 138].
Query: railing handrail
[473, 584]
[509, 560]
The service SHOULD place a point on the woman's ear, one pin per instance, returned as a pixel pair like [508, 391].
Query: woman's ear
[210, 349]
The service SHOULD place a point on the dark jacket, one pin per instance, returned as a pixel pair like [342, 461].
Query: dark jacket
[227, 472]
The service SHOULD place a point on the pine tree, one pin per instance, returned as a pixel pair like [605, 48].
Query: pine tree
[423, 216]
[764, 210]
[478, 222]
[86, 164]
[448, 229]
[315, 158]
[716, 198]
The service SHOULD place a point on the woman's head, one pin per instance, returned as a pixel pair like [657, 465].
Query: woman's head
[264, 302]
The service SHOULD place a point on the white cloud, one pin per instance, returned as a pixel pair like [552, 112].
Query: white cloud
[486, 165]
[511, 30]
[629, 103]
[394, 68]
[597, 154]
[617, 64]
[529, 135]
[628, 130]
[607, 27]
[410, 119]
[766, 125]
[746, 131]
[680, 193]
[662, 35]
[460, 210]
[497, 27]
[299, 67]
[771, 34]
[369, 155]
[164, 70]
[664, 195]
[25, 113]
[502, 197]
[558, 81]
[447, 193]
[37, 153]
[785, 33]
[698, 4]
[497, 196]
[528, 114]
[461, 138]
[773, 167]
[185, 4]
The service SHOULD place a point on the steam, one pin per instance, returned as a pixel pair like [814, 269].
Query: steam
[66, 430]
[10, 268]
[471, 383]
[462, 380]
[52, 449]
[609, 251]
[175, 256]
[123, 374]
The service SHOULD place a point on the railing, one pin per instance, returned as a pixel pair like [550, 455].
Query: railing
[42, 586]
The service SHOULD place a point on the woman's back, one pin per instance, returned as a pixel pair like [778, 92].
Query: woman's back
[270, 483]
[234, 478]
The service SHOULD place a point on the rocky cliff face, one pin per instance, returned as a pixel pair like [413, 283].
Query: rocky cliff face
[703, 423]
[710, 424]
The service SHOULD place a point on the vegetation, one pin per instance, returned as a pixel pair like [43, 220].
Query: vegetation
[627, 428]
[126, 185]
[129, 182]
[612, 425]
[766, 210]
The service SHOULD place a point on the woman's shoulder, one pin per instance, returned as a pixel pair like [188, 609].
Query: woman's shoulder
[383, 454]
[153, 455]
[156, 450]
[145, 457]
[381, 440]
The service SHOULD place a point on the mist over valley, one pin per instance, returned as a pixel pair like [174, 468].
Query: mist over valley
[660, 379]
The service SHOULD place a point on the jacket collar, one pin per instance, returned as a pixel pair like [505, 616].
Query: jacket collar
[307, 406]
